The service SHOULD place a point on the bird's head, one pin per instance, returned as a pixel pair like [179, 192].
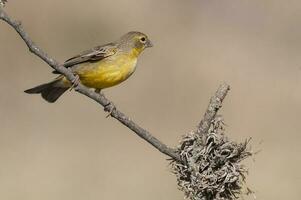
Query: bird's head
[135, 41]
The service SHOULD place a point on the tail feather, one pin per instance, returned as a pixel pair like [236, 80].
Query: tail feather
[49, 91]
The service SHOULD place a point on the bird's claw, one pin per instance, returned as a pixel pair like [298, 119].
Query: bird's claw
[75, 82]
[110, 107]
[97, 91]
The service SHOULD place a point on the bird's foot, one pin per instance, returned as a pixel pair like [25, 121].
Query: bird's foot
[97, 91]
[74, 82]
[110, 107]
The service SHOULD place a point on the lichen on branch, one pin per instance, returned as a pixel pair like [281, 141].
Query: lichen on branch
[212, 169]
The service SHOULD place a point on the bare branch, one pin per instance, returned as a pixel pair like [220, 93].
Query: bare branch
[213, 107]
[99, 98]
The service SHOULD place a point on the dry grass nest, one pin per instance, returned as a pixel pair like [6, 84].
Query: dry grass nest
[212, 169]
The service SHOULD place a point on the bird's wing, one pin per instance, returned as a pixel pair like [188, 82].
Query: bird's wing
[92, 55]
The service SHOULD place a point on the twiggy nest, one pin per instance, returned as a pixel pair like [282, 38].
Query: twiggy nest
[212, 169]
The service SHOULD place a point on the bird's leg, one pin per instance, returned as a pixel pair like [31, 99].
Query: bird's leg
[97, 91]
[74, 82]
[110, 107]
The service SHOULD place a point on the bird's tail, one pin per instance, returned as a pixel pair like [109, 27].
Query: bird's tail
[49, 91]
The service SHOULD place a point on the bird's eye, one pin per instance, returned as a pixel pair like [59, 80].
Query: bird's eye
[143, 39]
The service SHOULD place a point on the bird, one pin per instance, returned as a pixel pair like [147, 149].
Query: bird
[101, 67]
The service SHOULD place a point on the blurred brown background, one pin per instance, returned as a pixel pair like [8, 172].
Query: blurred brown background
[70, 151]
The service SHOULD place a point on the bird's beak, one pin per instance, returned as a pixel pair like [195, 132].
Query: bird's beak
[148, 44]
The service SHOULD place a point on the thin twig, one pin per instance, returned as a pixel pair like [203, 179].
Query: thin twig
[99, 98]
[213, 107]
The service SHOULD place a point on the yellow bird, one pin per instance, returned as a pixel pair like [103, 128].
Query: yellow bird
[100, 67]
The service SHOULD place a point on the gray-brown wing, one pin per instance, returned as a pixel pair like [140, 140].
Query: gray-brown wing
[91, 55]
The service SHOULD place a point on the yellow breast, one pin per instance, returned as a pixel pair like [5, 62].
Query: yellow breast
[107, 72]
